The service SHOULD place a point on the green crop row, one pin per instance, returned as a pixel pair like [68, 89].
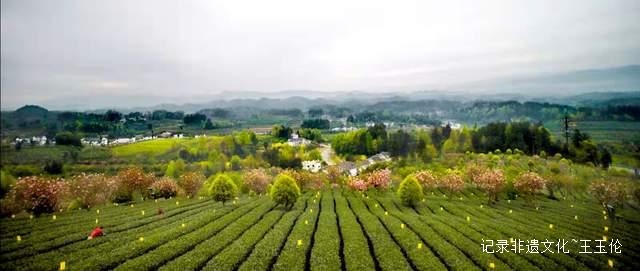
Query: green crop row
[138, 245]
[325, 254]
[421, 256]
[356, 249]
[231, 257]
[197, 257]
[265, 252]
[293, 255]
[77, 232]
[388, 254]
[452, 256]
[169, 250]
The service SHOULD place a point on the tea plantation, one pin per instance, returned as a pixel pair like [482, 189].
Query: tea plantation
[326, 230]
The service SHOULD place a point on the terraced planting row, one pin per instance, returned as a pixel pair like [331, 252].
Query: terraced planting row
[325, 230]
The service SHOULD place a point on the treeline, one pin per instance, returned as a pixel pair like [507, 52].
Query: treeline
[525, 137]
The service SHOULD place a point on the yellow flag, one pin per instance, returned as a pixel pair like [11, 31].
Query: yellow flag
[141, 239]
[492, 265]
[402, 225]
[299, 242]
[63, 265]
[419, 245]
[19, 238]
[54, 217]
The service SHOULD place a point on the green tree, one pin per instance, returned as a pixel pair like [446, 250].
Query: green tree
[223, 188]
[410, 191]
[285, 191]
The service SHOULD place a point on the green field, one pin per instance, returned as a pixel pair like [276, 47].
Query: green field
[602, 131]
[328, 230]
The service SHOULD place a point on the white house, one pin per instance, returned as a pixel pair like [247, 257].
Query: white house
[312, 165]
[295, 140]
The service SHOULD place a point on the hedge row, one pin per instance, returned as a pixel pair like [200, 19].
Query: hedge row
[294, 253]
[356, 249]
[325, 254]
[265, 252]
[198, 256]
[388, 254]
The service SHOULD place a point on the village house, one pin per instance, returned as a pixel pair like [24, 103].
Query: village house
[295, 140]
[312, 165]
[353, 169]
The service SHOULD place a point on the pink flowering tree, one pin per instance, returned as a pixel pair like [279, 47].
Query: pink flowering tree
[38, 194]
[428, 181]
[453, 182]
[257, 180]
[90, 190]
[529, 184]
[490, 181]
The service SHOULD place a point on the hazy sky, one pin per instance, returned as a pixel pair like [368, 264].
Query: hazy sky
[84, 51]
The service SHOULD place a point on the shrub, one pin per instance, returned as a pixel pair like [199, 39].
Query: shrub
[410, 191]
[427, 180]
[305, 179]
[68, 138]
[191, 182]
[257, 180]
[491, 182]
[452, 182]
[357, 184]
[285, 191]
[6, 182]
[91, 189]
[607, 192]
[129, 181]
[38, 194]
[53, 167]
[223, 188]
[164, 188]
[529, 183]
[379, 178]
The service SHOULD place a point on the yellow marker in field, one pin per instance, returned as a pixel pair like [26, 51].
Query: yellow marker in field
[432, 193]
[386, 213]
[183, 225]
[444, 196]
[97, 211]
[131, 205]
[551, 226]
[606, 229]
[54, 217]
[571, 205]
[234, 202]
[18, 238]
[460, 198]
[604, 237]
[419, 245]
[575, 217]
[142, 212]
[605, 217]
[604, 212]
[30, 216]
[423, 200]
[468, 219]
[299, 242]
[306, 222]
[402, 225]
[481, 206]
[63, 265]
[376, 205]
[117, 204]
[610, 263]
[510, 211]
[141, 239]
[156, 200]
[13, 216]
[508, 201]
[492, 265]
[178, 203]
[310, 210]
[314, 201]
[441, 209]
[96, 221]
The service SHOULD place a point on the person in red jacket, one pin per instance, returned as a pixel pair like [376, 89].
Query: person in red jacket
[95, 233]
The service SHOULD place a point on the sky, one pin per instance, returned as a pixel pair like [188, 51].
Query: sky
[137, 52]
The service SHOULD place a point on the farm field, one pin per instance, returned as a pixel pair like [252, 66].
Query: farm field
[325, 230]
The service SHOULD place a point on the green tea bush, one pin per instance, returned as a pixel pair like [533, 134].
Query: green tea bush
[223, 189]
[285, 191]
[410, 191]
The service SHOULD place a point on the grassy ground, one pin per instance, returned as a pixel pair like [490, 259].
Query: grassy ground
[329, 230]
